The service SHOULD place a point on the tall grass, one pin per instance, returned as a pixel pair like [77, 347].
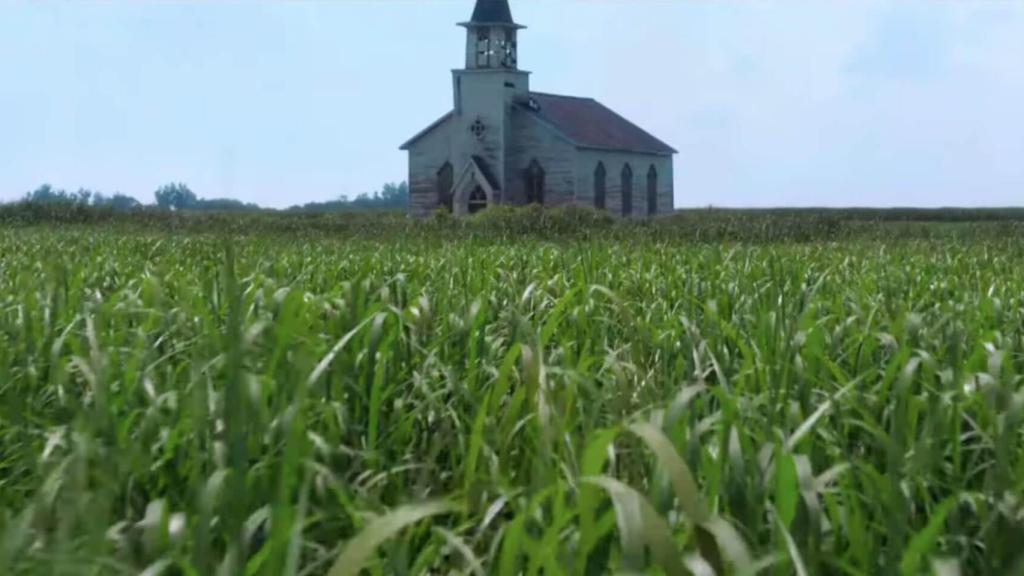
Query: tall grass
[273, 404]
[570, 222]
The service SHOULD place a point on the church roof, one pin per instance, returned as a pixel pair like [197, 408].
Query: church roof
[584, 121]
[427, 130]
[492, 12]
[590, 124]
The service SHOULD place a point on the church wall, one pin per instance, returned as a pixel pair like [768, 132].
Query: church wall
[613, 164]
[532, 139]
[426, 157]
[484, 95]
[569, 172]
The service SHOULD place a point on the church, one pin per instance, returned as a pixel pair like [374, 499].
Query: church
[503, 144]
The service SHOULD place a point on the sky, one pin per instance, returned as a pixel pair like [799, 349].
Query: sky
[769, 102]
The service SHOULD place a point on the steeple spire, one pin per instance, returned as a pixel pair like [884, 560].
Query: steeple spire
[492, 12]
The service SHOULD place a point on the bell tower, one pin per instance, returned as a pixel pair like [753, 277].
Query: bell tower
[487, 87]
[491, 37]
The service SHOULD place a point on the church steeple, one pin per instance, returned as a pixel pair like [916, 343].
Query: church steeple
[492, 12]
[491, 36]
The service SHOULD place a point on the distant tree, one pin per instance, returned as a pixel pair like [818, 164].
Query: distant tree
[392, 196]
[48, 194]
[395, 194]
[83, 197]
[175, 197]
[124, 202]
[223, 204]
[119, 202]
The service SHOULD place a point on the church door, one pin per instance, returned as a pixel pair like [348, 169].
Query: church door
[477, 200]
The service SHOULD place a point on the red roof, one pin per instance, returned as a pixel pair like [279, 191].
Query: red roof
[590, 124]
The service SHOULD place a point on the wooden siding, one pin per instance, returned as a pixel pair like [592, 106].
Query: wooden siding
[533, 140]
[426, 157]
[511, 143]
[613, 164]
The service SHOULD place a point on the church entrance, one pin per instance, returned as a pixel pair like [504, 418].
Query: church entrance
[477, 200]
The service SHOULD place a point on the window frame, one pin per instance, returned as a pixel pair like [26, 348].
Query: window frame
[446, 198]
[652, 190]
[477, 203]
[535, 183]
[483, 48]
[626, 192]
[600, 187]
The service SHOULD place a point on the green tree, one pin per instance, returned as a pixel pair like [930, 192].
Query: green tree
[175, 197]
[395, 194]
[47, 194]
[118, 202]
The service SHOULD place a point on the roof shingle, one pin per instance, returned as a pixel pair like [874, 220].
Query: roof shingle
[590, 124]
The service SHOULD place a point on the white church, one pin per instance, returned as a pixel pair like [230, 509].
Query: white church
[503, 144]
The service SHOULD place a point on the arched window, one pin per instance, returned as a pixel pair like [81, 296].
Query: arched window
[477, 200]
[652, 191]
[535, 183]
[445, 181]
[627, 190]
[600, 178]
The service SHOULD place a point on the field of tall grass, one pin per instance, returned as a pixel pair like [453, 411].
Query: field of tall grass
[178, 402]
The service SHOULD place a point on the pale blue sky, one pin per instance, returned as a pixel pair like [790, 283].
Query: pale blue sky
[770, 103]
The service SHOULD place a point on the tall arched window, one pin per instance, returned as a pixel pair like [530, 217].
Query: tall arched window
[535, 183]
[600, 178]
[445, 181]
[627, 190]
[652, 191]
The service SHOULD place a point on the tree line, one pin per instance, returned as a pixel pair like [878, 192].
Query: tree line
[179, 197]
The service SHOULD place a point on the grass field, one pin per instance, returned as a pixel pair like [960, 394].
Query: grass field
[184, 403]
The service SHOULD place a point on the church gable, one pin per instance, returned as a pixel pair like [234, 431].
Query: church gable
[475, 189]
[423, 133]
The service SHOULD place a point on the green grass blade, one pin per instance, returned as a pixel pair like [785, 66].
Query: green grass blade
[359, 550]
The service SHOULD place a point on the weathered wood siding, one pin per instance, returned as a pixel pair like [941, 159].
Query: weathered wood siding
[613, 165]
[512, 139]
[485, 98]
[426, 157]
[531, 140]
[480, 95]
